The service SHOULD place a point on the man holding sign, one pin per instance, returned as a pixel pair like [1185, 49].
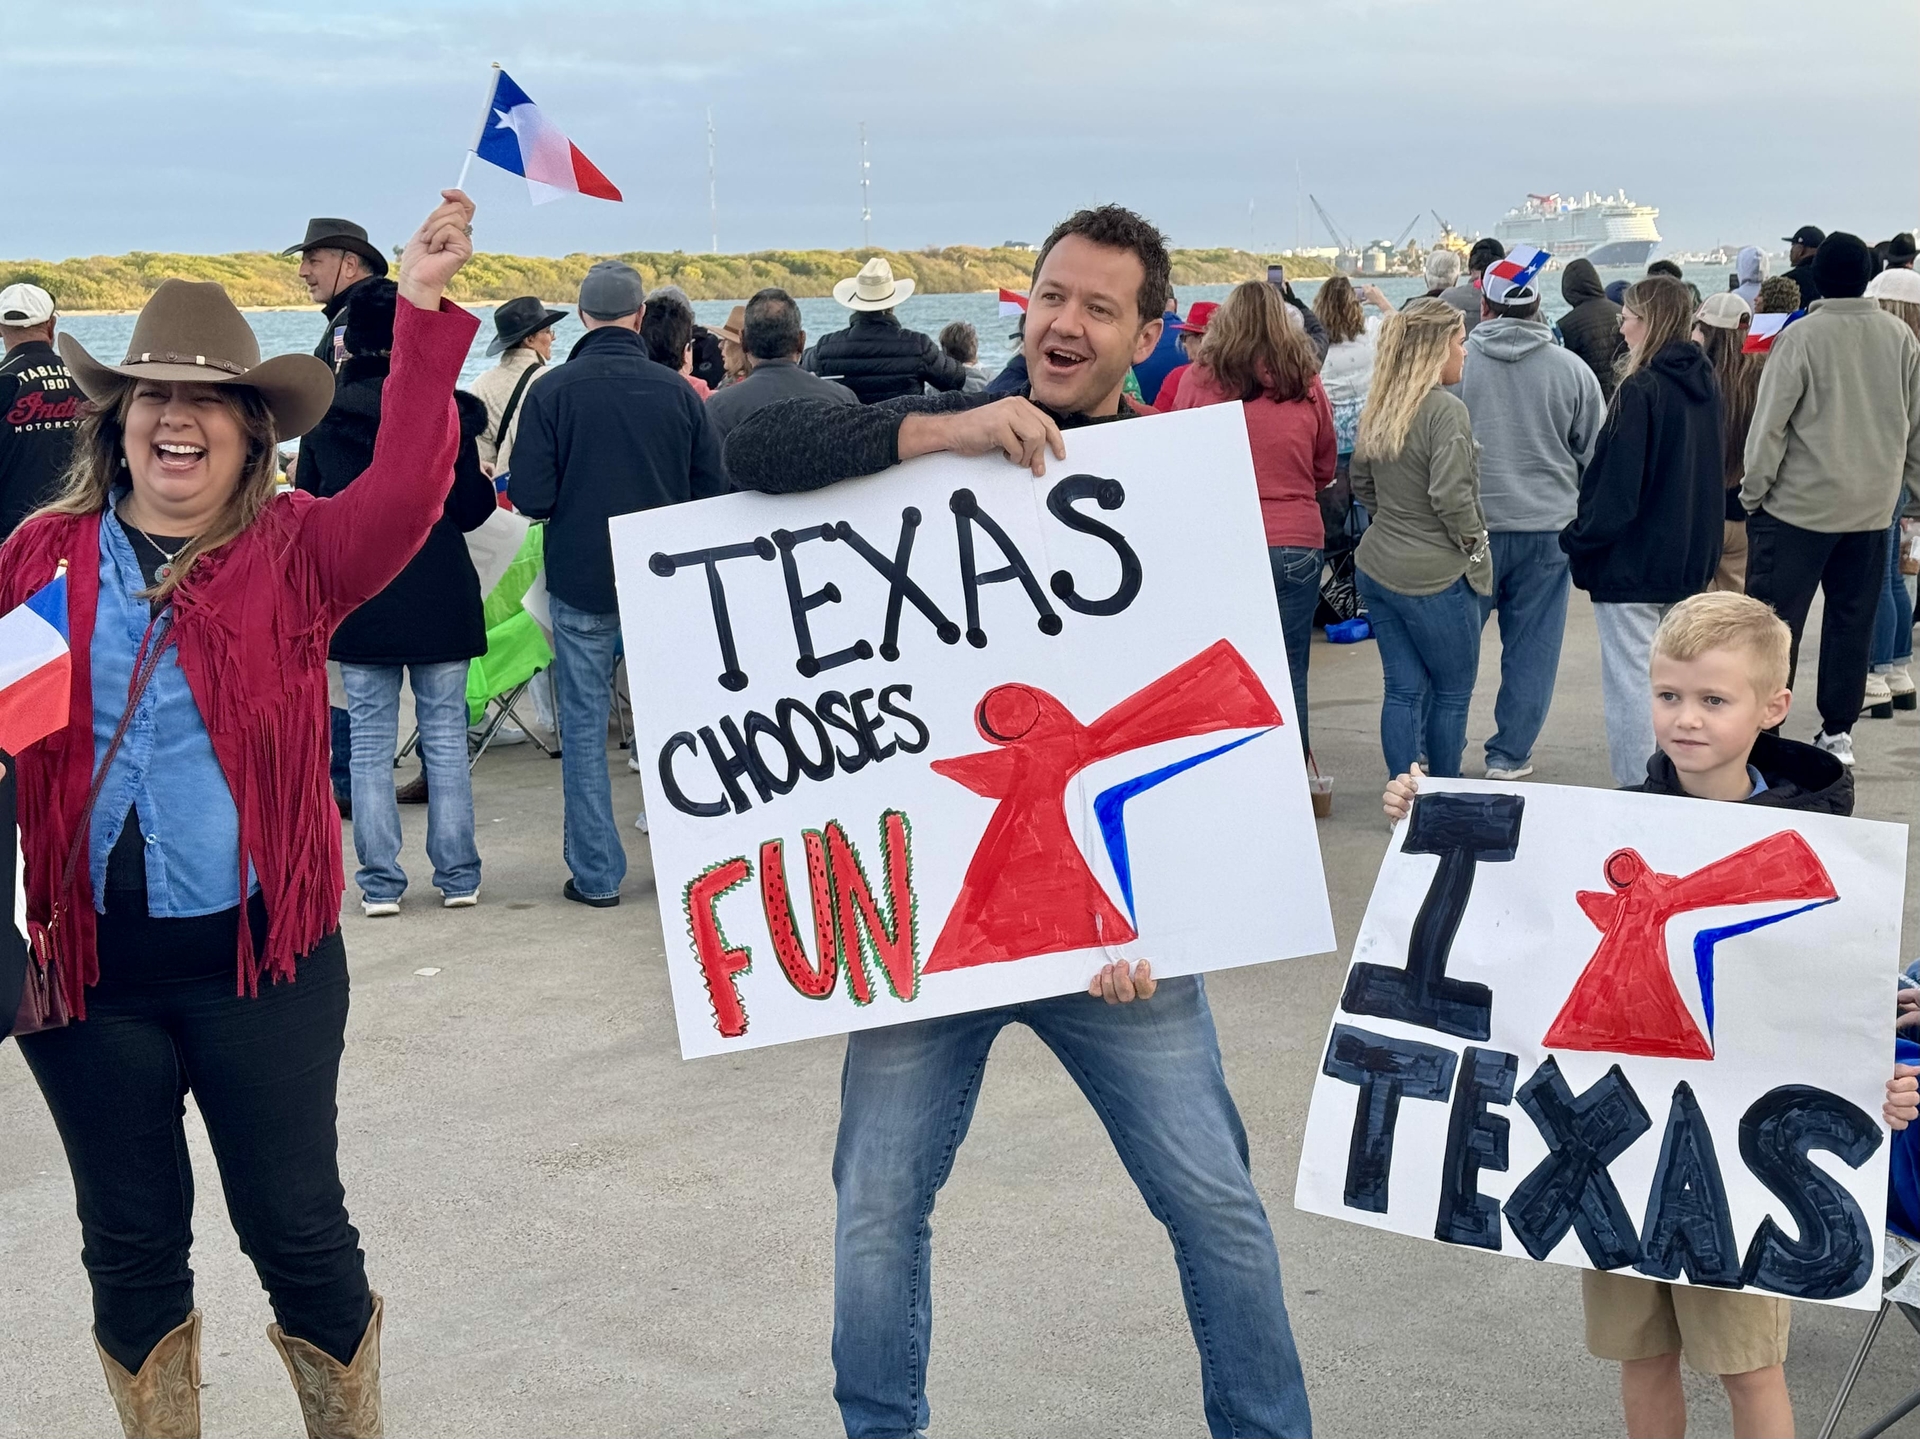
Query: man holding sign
[1147, 1057]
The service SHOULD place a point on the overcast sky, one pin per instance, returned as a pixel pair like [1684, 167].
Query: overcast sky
[207, 126]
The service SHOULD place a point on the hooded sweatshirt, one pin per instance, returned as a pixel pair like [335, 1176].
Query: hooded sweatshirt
[1591, 328]
[1836, 423]
[1798, 777]
[1750, 269]
[1649, 523]
[1536, 411]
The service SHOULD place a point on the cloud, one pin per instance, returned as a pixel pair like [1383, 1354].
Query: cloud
[207, 125]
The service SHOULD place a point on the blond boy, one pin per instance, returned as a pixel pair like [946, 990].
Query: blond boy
[1719, 687]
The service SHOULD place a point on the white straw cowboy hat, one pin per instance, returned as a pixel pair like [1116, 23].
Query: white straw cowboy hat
[189, 330]
[874, 288]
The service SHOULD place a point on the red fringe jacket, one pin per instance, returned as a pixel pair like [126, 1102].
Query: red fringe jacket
[252, 622]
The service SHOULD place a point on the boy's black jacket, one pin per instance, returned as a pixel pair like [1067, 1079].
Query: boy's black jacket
[1799, 776]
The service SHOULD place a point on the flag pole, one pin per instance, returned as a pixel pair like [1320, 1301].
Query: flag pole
[493, 82]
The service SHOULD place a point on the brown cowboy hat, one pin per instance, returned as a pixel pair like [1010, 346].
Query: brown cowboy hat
[327, 232]
[190, 331]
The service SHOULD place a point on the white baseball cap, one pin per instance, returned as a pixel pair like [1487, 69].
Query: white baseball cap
[1724, 311]
[23, 305]
[1902, 285]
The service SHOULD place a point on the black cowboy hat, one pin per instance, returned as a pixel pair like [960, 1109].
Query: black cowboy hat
[336, 234]
[517, 319]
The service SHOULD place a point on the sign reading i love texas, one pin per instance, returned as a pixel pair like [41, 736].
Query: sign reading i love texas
[952, 737]
[1621, 1032]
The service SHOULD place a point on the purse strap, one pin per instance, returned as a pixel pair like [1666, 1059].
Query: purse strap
[153, 645]
[513, 402]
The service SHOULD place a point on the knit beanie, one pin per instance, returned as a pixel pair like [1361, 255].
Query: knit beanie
[1842, 266]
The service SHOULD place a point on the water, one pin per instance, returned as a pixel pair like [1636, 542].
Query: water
[291, 331]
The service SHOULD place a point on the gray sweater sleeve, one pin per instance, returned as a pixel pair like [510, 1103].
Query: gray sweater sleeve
[804, 444]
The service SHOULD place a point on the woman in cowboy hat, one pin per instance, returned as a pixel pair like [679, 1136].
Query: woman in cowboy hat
[182, 850]
[523, 339]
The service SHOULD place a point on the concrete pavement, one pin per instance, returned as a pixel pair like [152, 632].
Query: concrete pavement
[579, 1234]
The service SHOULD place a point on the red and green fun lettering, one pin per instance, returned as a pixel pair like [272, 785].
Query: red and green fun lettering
[814, 982]
[720, 962]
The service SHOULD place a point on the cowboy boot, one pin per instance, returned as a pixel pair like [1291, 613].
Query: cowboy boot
[162, 1401]
[338, 1401]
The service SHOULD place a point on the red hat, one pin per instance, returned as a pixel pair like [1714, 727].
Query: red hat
[1197, 317]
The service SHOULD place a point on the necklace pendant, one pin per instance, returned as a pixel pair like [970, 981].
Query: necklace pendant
[164, 573]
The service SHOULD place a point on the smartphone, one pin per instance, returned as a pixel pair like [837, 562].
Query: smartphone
[1276, 274]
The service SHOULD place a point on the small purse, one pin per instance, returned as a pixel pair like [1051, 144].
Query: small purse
[43, 1001]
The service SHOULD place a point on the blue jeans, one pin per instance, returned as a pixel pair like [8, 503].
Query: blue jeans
[1429, 659]
[1893, 624]
[340, 760]
[1152, 1072]
[1296, 583]
[584, 647]
[440, 707]
[1530, 583]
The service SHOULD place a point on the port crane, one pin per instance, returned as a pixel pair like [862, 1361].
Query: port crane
[1450, 238]
[1345, 242]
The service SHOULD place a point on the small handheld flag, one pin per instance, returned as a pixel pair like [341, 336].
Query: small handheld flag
[1515, 272]
[520, 139]
[35, 667]
[1012, 302]
[1764, 330]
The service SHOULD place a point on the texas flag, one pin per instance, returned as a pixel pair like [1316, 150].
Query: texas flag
[1012, 302]
[521, 140]
[1519, 267]
[1764, 330]
[35, 667]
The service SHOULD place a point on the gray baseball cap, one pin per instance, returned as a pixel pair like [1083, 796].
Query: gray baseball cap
[611, 290]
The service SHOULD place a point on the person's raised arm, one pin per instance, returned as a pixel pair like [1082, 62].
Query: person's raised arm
[364, 536]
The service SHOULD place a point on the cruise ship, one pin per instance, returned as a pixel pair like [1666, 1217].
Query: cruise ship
[1605, 229]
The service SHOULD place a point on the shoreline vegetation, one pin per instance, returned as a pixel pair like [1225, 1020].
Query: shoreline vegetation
[263, 281]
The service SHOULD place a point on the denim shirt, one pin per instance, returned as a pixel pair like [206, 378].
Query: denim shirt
[165, 771]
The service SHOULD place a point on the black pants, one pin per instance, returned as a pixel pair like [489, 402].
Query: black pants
[163, 1020]
[1785, 565]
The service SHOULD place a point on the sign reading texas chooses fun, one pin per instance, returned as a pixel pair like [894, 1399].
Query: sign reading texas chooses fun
[953, 736]
[1625, 1032]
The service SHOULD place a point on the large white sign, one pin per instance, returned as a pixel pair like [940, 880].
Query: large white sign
[952, 736]
[1624, 1032]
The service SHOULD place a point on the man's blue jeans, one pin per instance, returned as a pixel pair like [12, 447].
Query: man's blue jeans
[1152, 1072]
[440, 708]
[1296, 584]
[1530, 583]
[1429, 659]
[584, 647]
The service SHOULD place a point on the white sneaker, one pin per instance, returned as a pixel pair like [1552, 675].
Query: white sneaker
[1840, 746]
[1521, 773]
[640, 822]
[1900, 686]
[379, 908]
[1877, 703]
[633, 763]
[460, 901]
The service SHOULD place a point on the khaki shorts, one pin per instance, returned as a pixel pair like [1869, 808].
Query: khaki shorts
[1719, 1331]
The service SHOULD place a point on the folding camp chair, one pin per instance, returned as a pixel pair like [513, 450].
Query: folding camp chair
[1897, 1282]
